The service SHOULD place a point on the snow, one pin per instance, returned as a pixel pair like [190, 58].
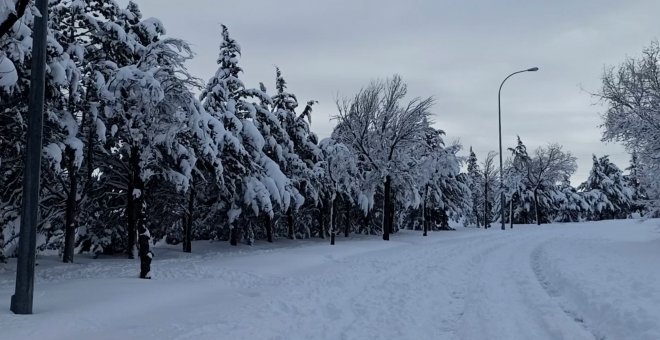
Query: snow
[8, 75]
[561, 281]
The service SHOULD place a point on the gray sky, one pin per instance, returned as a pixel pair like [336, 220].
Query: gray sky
[456, 51]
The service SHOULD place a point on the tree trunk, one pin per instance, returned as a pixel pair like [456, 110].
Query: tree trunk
[394, 227]
[347, 225]
[146, 255]
[269, 228]
[70, 214]
[332, 219]
[130, 216]
[250, 234]
[72, 198]
[133, 203]
[234, 235]
[289, 221]
[386, 208]
[536, 208]
[486, 221]
[187, 235]
[425, 224]
[511, 213]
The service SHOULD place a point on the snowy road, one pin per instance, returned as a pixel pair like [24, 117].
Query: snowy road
[581, 281]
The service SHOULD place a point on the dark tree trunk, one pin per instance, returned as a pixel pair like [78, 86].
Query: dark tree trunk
[269, 228]
[424, 222]
[133, 203]
[289, 222]
[234, 236]
[386, 208]
[130, 214]
[347, 225]
[486, 219]
[536, 208]
[70, 214]
[332, 219]
[394, 227]
[249, 234]
[187, 235]
[145, 254]
[72, 199]
[511, 213]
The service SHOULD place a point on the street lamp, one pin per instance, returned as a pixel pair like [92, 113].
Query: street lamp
[499, 118]
[21, 301]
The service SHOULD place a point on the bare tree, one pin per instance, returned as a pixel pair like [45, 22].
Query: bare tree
[548, 166]
[379, 127]
[631, 92]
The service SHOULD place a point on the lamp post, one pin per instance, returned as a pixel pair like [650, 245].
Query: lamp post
[21, 301]
[499, 118]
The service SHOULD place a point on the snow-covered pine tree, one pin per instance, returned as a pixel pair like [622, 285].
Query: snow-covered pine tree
[15, 53]
[518, 192]
[263, 186]
[569, 204]
[77, 25]
[490, 192]
[607, 190]
[476, 185]
[305, 152]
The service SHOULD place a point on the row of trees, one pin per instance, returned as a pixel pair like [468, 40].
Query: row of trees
[537, 188]
[131, 149]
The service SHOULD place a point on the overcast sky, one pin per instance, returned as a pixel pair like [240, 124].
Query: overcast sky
[456, 51]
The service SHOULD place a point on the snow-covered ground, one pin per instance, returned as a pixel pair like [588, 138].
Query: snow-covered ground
[572, 281]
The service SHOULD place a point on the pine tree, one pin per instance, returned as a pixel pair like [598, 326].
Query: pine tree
[263, 187]
[476, 185]
[303, 150]
[607, 191]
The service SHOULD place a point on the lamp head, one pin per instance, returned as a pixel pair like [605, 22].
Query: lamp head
[533, 69]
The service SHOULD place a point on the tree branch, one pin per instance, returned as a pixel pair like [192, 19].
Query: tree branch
[12, 18]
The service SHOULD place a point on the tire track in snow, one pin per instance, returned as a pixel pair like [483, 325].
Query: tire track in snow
[506, 298]
[553, 292]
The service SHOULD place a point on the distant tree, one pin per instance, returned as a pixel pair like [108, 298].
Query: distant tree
[569, 205]
[547, 168]
[489, 187]
[606, 190]
[476, 184]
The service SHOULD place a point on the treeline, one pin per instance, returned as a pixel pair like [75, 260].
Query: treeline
[537, 188]
[131, 149]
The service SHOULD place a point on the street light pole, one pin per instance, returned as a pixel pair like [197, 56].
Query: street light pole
[499, 119]
[21, 301]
